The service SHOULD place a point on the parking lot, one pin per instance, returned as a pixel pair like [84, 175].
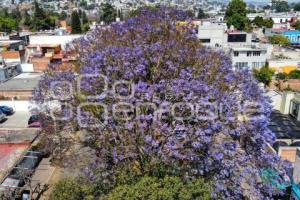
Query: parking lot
[18, 120]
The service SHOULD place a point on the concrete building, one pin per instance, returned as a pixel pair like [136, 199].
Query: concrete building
[284, 59]
[212, 35]
[293, 36]
[20, 87]
[51, 39]
[250, 57]
[217, 35]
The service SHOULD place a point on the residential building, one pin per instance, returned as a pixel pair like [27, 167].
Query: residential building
[217, 35]
[212, 35]
[11, 45]
[19, 87]
[293, 36]
[284, 59]
[251, 57]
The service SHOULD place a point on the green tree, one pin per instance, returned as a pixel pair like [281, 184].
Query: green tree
[16, 14]
[297, 7]
[75, 23]
[238, 21]
[39, 13]
[27, 20]
[258, 21]
[294, 74]
[108, 13]
[236, 14]
[63, 15]
[297, 25]
[280, 6]
[280, 40]
[41, 19]
[264, 75]
[167, 188]
[8, 24]
[201, 14]
[83, 4]
[280, 78]
[268, 23]
[75, 189]
[84, 18]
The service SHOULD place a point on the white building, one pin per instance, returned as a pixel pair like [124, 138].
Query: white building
[212, 35]
[250, 57]
[281, 17]
[62, 40]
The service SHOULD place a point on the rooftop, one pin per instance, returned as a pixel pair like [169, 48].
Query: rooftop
[24, 81]
[284, 126]
[8, 42]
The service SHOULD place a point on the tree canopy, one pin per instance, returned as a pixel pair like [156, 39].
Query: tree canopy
[297, 25]
[108, 13]
[201, 14]
[280, 40]
[264, 75]
[75, 23]
[297, 7]
[261, 22]
[280, 6]
[236, 14]
[146, 93]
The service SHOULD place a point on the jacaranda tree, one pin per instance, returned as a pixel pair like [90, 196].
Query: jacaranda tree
[147, 93]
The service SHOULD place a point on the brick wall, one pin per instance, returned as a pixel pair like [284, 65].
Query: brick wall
[21, 95]
[40, 64]
[294, 84]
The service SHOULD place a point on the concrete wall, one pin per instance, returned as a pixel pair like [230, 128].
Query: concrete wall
[276, 99]
[286, 101]
[27, 67]
[21, 95]
[214, 32]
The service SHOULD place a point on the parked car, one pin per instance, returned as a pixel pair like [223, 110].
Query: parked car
[33, 118]
[2, 116]
[7, 110]
[36, 124]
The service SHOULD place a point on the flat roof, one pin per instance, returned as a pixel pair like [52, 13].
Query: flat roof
[284, 126]
[24, 81]
[248, 48]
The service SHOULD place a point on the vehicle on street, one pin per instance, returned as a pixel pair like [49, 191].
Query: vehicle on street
[7, 110]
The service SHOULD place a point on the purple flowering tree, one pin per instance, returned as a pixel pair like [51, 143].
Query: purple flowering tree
[146, 92]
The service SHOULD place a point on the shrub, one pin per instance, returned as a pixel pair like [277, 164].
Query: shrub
[71, 189]
[294, 74]
[264, 75]
[168, 188]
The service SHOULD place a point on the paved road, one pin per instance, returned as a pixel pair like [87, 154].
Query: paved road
[17, 120]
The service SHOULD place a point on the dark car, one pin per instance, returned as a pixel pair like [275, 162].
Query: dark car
[33, 118]
[7, 110]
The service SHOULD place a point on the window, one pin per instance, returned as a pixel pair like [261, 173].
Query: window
[249, 53]
[205, 40]
[256, 53]
[256, 65]
[236, 53]
[241, 65]
[237, 37]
